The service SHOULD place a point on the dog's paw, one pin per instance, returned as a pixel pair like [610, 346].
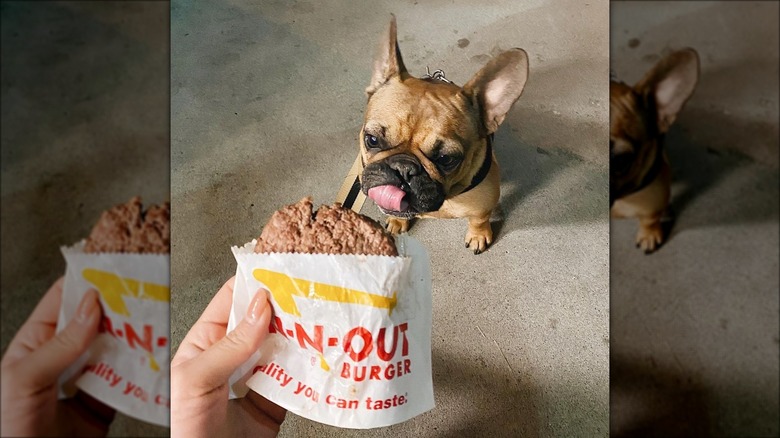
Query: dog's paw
[649, 238]
[397, 225]
[478, 240]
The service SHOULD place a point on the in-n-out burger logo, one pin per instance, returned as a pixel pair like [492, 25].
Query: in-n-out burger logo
[388, 344]
[113, 289]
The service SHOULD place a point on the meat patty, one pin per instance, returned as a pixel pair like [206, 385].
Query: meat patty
[330, 230]
[127, 228]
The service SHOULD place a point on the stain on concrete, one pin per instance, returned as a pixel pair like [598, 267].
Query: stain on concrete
[633, 43]
[651, 58]
[463, 42]
[480, 59]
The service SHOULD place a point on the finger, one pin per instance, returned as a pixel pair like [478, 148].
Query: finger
[39, 327]
[209, 328]
[212, 369]
[44, 365]
[48, 309]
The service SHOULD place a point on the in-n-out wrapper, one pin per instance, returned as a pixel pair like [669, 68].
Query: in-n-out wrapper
[350, 341]
[127, 366]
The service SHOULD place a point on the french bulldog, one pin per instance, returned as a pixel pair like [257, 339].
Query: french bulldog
[640, 116]
[426, 143]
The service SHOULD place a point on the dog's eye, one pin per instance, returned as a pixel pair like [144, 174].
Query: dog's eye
[371, 141]
[448, 162]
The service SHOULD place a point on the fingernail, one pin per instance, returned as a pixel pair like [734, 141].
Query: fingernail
[87, 306]
[256, 307]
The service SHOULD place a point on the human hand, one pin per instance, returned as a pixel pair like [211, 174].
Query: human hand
[203, 364]
[33, 362]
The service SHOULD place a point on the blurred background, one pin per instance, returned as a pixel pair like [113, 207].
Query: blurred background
[694, 326]
[85, 126]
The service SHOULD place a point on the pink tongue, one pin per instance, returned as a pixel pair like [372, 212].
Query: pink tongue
[389, 197]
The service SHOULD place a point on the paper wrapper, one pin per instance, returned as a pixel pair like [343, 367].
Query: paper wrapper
[127, 366]
[350, 341]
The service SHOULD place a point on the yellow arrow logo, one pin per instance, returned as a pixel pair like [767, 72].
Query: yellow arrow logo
[283, 287]
[113, 287]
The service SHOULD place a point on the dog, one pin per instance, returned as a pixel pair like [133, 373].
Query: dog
[426, 143]
[640, 116]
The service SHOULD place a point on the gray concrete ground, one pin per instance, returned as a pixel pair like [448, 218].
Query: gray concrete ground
[85, 116]
[695, 325]
[266, 104]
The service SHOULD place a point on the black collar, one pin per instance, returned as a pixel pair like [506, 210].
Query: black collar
[483, 171]
[654, 170]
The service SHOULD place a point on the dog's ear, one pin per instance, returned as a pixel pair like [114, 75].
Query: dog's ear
[388, 62]
[670, 84]
[496, 87]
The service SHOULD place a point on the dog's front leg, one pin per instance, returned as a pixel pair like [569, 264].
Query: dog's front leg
[396, 225]
[651, 234]
[480, 234]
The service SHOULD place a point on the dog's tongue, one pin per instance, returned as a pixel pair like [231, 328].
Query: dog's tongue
[389, 197]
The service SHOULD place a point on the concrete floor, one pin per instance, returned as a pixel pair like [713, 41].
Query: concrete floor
[695, 325]
[85, 116]
[266, 104]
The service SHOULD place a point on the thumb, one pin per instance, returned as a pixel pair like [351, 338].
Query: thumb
[43, 367]
[215, 365]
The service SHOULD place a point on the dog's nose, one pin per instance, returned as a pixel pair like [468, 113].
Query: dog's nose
[406, 165]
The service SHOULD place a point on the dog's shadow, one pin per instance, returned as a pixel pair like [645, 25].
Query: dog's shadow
[703, 160]
[557, 186]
